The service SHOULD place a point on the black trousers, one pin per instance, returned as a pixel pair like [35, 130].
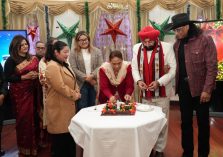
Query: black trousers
[1, 123]
[187, 105]
[62, 145]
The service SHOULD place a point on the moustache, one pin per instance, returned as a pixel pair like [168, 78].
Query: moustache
[149, 48]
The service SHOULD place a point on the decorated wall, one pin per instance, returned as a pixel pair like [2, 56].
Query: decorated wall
[18, 9]
[62, 15]
[64, 18]
[68, 19]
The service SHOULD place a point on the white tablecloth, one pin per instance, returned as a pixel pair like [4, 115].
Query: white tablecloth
[116, 136]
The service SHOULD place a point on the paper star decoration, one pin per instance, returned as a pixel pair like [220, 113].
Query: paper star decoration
[161, 28]
[113, 30]
[32, 31]
[68, 33]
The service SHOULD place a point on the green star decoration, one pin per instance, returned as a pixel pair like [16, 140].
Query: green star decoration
[68, 33]
[161, 28]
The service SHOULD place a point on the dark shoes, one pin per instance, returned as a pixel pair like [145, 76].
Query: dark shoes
[159, 154]
[151, 154]
[2, 152]
[156, 154]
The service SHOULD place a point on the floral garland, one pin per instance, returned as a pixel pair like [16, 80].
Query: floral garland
[113, 109]
[4, 18]
[138, 16]
[86, 11]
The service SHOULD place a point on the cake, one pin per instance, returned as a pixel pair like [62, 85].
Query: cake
[120, 108]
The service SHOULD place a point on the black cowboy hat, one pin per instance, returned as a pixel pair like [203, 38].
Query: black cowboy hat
[179, 20]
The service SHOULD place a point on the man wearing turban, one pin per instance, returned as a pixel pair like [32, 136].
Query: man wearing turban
[153, 68]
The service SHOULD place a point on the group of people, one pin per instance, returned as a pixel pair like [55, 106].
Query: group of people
[71, 81]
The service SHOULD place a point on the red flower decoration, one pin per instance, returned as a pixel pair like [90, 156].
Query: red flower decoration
[215, 29]
[113, 30]
[32, 31]
[125, 109]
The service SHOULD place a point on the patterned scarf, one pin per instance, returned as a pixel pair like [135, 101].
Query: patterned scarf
[153, 70]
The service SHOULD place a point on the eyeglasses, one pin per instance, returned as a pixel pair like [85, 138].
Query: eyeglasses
[40, 48]
[179, 29]
[83, 40]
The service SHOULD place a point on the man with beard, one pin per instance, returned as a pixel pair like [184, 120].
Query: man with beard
[153, 68]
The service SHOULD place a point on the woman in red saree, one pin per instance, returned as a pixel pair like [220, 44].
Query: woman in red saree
[21, 71]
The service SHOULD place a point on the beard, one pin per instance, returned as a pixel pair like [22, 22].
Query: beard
[149, 48]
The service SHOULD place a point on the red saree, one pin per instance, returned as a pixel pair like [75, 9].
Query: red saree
[24, 96]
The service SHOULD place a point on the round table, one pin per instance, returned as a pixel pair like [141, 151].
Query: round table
[116, 136]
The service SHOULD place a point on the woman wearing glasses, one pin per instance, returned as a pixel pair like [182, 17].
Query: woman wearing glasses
[85, 60]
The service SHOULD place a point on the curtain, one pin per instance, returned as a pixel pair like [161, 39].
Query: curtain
[144, 19]
[1, 22]
[203, 3]
[105, 42]
[17, 21]
[133, 24]
[221, 10]
[198, 12]
[42, 24]
[31, 21]
[20, 21]
[57, 7]
[7, 10]
[94, 20]
[20, 8]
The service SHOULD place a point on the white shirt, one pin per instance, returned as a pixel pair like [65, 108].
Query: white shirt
[169, 59]
[87, 60]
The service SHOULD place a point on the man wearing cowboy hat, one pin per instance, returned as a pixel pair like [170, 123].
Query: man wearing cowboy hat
[148, 68]
[195, 80]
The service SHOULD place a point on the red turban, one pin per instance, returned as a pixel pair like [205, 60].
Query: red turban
[148, 32]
